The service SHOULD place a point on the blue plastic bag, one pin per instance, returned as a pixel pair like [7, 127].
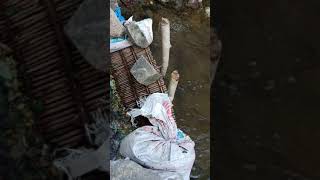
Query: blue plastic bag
[118, 14]
[118, 39]
[180, 134]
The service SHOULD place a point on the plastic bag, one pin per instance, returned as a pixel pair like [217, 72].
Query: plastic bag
[117, 44]
[79, 162]
[161, 146]
[144, 72]
[117, 10]
[124, 169]
[140, 32]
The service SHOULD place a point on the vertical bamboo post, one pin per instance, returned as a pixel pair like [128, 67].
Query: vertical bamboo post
[173, 84]
[165, 35]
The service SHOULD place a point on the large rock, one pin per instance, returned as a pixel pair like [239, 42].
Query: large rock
[144, 72]
[124, 169]
[140, 33]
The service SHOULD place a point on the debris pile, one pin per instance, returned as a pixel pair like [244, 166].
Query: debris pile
[125, 33]
[157, 148]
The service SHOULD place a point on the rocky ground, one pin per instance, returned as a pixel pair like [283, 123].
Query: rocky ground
[120, 124]
[23, 154]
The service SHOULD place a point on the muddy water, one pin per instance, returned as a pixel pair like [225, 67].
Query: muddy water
[267, 106]
[190, 56]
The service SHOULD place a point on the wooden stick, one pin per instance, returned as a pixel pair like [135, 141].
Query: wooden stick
[173, 84]
[165, 34]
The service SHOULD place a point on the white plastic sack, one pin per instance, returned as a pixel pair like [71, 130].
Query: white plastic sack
[125, 169]
[146, 28]
[140, 32]
[161, 146]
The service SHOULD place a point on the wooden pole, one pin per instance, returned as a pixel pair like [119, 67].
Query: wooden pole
[173, 84]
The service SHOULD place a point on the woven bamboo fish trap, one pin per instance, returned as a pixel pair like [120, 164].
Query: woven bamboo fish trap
[53, 70]
[128, 88]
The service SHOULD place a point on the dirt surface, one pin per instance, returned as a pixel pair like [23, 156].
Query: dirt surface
[267, 93]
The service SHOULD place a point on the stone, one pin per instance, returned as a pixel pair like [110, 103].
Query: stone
[194, 4]
[207, 10]
[179, 4]
[140, 33]
[144, 72]
[149, 13]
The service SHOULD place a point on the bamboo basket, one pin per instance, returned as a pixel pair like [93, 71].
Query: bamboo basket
[129, 90]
